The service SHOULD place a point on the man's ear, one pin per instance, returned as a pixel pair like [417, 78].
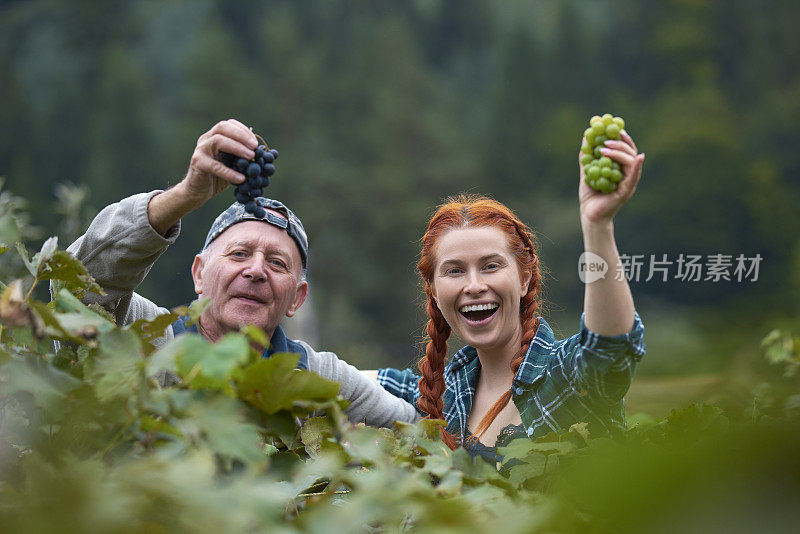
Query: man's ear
[299, 297]
[197, 273]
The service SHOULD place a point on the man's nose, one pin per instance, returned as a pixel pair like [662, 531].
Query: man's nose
[256, 268]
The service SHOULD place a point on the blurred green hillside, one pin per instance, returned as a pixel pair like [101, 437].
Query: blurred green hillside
[382, 109]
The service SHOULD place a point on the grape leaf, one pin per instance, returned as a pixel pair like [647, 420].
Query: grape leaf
[47, 385]
[532, 466]
[23, 253]
[516, 449]
[312, 433]
[211, 365]
[432, 427]
[149, 330]
[438, 465]
[69, 273]
[53, 327]
[218, 421]
[193, 310]
[255, 334]
[283, 426]
[48, 248]
[116, 370]
[274, 383]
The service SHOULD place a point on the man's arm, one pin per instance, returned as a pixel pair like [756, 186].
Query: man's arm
[119, 248]
[125, 239]
[369, 402]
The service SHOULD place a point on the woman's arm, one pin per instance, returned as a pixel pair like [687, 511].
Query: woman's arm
[608, 303]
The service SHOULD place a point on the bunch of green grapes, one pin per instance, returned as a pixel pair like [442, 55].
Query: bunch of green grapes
[602, 173]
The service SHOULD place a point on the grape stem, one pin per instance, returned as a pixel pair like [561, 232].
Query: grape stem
[261, 139]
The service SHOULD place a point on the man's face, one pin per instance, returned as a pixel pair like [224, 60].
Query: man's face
[252, 274]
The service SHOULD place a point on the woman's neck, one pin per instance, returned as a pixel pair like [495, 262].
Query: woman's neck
[496, 372]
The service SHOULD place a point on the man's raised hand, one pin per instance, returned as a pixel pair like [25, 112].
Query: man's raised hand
[207, 175]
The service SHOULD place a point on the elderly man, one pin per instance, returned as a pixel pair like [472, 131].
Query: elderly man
[252, 269]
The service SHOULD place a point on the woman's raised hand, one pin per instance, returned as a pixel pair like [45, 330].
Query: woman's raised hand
[598, 207]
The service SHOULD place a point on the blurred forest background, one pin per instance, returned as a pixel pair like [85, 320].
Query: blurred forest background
[382, 109]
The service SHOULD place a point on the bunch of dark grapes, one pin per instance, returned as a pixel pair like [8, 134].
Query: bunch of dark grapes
[257, 172]
[602, 173]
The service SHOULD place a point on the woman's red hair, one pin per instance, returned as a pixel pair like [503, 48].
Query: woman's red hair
[470, 212]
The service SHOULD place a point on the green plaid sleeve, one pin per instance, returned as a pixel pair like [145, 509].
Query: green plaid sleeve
[604, 365]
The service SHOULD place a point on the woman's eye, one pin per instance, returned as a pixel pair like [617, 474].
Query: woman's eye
[492, 266]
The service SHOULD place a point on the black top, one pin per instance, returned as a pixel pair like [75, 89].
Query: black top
[476, 448]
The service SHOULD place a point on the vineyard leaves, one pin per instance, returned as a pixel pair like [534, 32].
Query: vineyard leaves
[200, 437]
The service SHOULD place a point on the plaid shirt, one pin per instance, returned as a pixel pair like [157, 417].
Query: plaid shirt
[559, 382]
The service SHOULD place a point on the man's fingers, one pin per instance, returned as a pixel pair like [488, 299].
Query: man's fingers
[233, 129]
[220, 143]
[204, 163]
[247, 132]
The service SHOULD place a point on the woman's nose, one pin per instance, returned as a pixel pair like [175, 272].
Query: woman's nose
[475, 283]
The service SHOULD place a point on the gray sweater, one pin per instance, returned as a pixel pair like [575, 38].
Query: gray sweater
[120, 247]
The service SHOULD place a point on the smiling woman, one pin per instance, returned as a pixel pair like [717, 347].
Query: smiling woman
[480, 269]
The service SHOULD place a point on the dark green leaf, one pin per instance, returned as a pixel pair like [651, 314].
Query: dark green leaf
[255, 334]
[117, 369]
[274, 383]
[219, 422]
[150, 329]
[68, 273]
[516, 449]
[313, 432]
[23, 253]
[211, 365]
[532, 466]
[193, 310]
[47, 385]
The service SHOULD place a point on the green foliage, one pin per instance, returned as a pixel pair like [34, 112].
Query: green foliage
[95, 438]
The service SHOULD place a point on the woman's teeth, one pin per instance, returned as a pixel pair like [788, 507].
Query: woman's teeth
[478, 307]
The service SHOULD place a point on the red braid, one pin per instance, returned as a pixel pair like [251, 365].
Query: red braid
[431, 384]
[462, 212]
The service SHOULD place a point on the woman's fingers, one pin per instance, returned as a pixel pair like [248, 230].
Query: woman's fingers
[621, 145]
[624, 158]
[629, 140]
[628, 184]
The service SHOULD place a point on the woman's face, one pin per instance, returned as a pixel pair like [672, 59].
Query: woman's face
[477, 286]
